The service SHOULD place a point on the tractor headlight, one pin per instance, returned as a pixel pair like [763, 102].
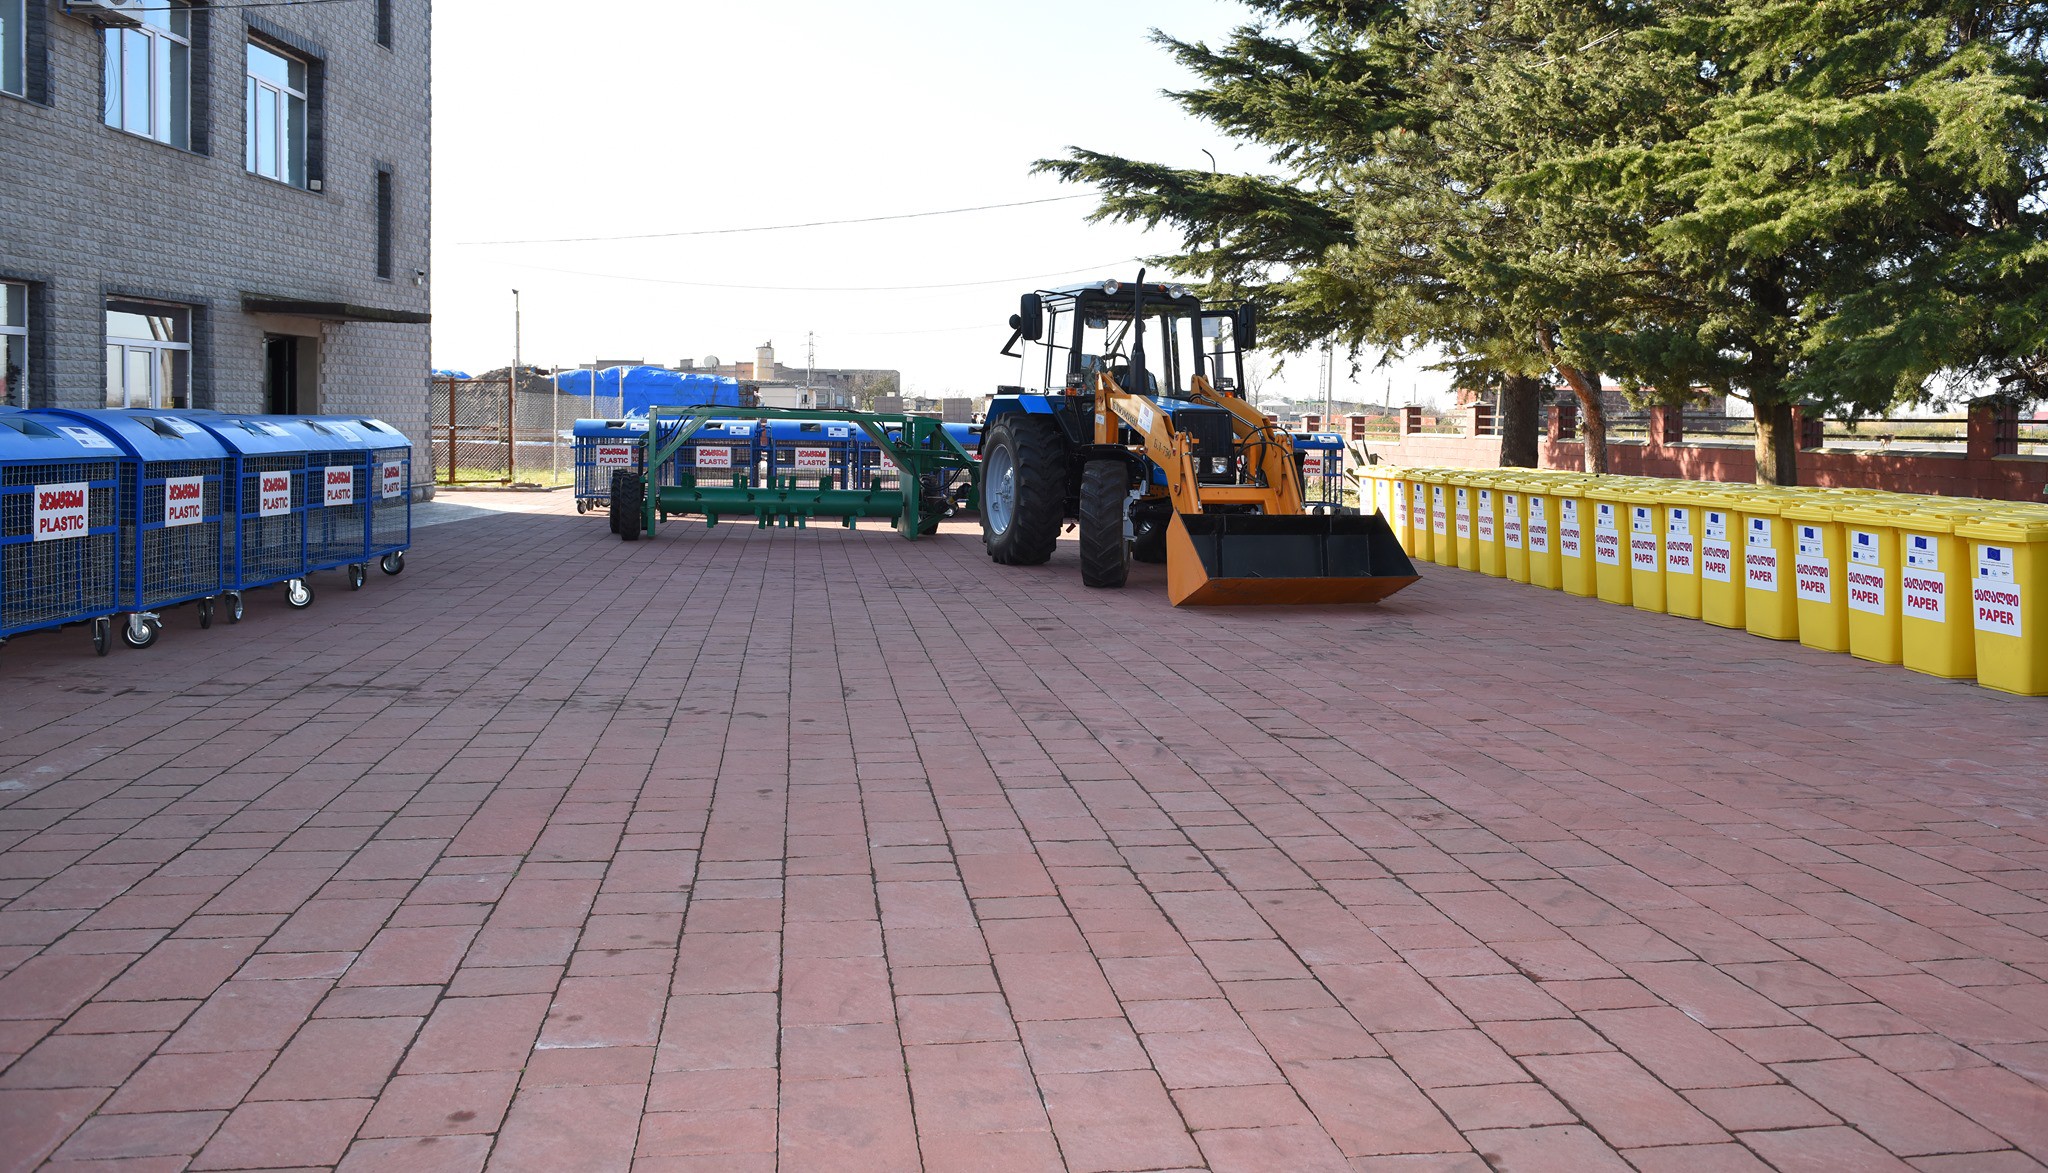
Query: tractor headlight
[1111, 286]
[1176, 292]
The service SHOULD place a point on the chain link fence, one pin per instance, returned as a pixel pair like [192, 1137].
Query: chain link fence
[486, 433]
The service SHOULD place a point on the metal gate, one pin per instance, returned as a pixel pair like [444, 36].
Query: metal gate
[473, 431]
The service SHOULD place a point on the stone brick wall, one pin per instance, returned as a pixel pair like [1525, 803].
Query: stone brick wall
[91, 212]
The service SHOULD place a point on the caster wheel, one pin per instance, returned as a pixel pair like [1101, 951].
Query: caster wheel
[139, 631]
[583, 507]
[205, 614]
[393, 562]
[299, 593]
[102, 635]
[356, 574]
[234, 606]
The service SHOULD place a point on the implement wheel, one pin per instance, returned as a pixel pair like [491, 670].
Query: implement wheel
[1105, 490]
[1023, 489]
[1148, 536]
[628, 497]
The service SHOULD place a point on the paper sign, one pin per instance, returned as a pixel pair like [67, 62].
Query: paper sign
[1815, 578]
[1568, 528]
[1866, 588]
[1762, 557]
[1539, 527]
[273, 494]
[814, 460]
[1438, 520]
[184, 501]
[86, 437]
[394, 479]
[1606, 539]
[1717, 560]
[614, 456]
[341, 485]
[1464, 514]
[61, 510]
[1923, 594]
[1400, 504]
[1863, 548]
[1998, 606]
[1486, 515]
[1511, 525]
[1642, 539]
[714, 458]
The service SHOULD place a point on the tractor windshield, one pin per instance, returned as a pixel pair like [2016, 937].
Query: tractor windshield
[1107, 339]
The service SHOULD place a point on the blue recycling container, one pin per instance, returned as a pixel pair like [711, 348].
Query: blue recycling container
[60, 524]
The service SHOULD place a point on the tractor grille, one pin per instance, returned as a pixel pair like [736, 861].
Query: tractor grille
[1212, 438]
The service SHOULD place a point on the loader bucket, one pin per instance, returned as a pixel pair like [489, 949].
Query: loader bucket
[1232, 559]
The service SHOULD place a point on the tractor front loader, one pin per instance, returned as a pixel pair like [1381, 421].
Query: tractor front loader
[1155, 458]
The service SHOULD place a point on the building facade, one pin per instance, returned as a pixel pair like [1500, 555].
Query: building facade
[217, 207]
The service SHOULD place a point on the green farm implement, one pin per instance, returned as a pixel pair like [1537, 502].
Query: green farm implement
[913, 487]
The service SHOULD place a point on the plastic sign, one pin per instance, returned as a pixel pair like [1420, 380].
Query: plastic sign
[61, 511]
[394, 479]
[1311, 464]
[341, 485]
[1642, 539]
[814, 460]
[714, 458]
[615, 455]
[273, 494]
[184, 501]
[87, 438]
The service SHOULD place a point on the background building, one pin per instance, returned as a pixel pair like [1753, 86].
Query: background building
[216, 207]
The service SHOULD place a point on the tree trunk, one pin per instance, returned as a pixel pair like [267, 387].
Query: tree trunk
[1777, 444]
[1592, 414]
[1518, 424]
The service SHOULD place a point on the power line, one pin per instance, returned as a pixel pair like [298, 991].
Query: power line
[819, 288]
[770, 227]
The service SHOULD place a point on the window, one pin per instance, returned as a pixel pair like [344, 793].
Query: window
[13, 47]
[13, 344]
[384, 23]
[149, 74]
[276, 101]
[384, 216]
[149, 355]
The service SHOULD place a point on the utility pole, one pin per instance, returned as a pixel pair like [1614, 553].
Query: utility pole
[512, 399]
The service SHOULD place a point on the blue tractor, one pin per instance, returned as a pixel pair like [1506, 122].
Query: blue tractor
[1138, 434]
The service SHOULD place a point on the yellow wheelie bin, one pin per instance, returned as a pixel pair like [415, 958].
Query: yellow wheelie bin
[1770, 607]
[1486, 528]
[1574, 538]
[1681, 549]
[1443, 541]
[1819, 566]
[1723, 585]
[1539, 530]
[1645, 539]
[1870, 579]
[1418, 514]
[1461, 520]
[1609, 507]
[2009, 550]
[1394, 485]
[1514, 549]
[1936, 633]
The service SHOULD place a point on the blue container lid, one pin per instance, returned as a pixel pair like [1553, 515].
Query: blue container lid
[264, 435]
[150, 435]
[1318, 440]
[622, 429]
[35, 436]
[352, 432]
[815, 431]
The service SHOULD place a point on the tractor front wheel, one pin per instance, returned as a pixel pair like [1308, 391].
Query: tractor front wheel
[1105, 493]
[1023, 489]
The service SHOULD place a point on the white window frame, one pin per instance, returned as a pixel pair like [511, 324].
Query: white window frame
[161, 363]
[167, 113]
[288, 139]
[14, 47]
[14, 341]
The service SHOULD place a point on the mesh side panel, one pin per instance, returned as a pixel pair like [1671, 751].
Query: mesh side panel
[336, 533]
[272, 548]
[49, 582]
[390, 517]
[178, 561]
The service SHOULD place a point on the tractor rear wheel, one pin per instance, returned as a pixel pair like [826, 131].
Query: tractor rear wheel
[1105, 494]
[1023, 489]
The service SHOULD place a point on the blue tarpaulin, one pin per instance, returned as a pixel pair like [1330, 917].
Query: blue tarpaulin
[646, 387]
[451, 374]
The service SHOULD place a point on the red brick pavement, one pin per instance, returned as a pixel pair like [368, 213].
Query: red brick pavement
[815, 850]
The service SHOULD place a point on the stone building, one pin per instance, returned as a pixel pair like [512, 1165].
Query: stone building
[216, 206]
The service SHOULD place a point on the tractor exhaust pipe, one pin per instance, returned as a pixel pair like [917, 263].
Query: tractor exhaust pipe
[1231, 559]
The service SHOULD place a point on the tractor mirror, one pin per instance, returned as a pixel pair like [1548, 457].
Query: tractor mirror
[1030, 319]
[1247, 326]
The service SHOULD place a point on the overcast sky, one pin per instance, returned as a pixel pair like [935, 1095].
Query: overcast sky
[670, 118]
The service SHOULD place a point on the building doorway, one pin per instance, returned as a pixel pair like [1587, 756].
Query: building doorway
[281, 376]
